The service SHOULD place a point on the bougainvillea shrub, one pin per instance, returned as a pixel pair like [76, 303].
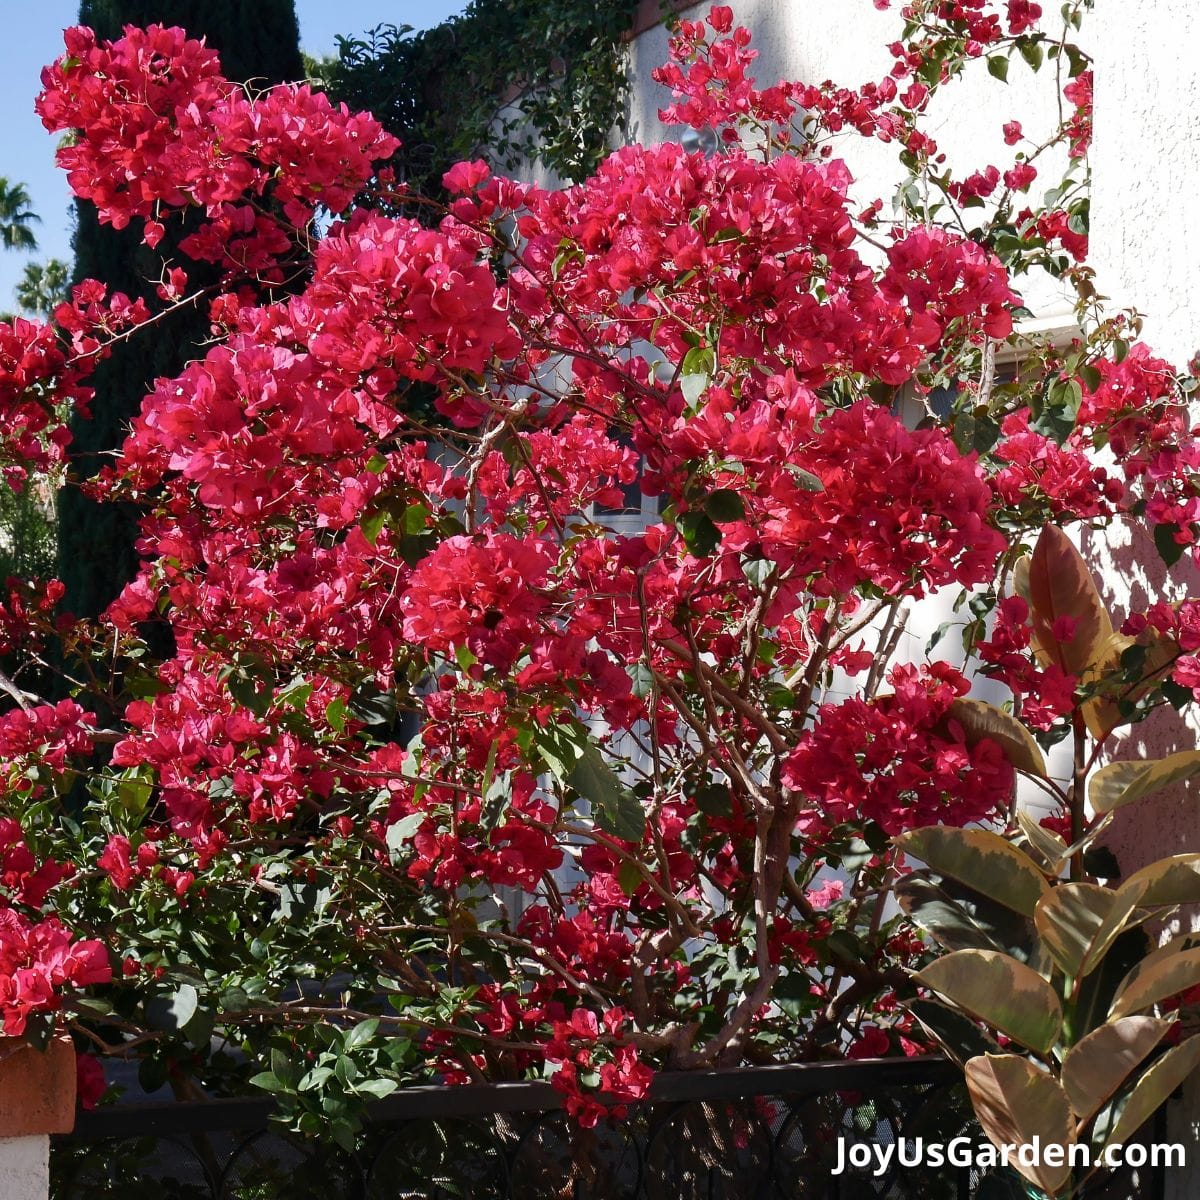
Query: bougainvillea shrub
[402, 757]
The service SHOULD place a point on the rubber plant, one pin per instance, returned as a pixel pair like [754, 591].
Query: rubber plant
[1056, 994]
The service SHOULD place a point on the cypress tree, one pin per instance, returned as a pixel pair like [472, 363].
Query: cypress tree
[259, 42]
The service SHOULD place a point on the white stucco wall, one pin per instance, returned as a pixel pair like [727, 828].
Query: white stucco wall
[1146, 162]
[1146, 168]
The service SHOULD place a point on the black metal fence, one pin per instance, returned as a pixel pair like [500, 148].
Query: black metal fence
[764, 1133]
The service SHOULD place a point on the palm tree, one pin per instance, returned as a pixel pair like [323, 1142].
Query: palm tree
[43, 287]
[16, 217]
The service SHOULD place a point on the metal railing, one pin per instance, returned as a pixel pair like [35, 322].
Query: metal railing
[758, 1133]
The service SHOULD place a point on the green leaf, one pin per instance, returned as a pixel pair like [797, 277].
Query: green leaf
[93, 1006]
[943, 918]
[1117, 922]
[560, 746]
[805, 480]
[1097, 1065]
[285, 1068]
[400, 833]
[695, 373]
[1003, 993]
[844, 946]
[1006, 931]
[997, 67]
[724, 506]
[316, 1078]
[629, 876]
[757, 571]
[793, 992]
[268, 1082]
[574, 758]
[714, 799]
[134, 791]
[252, 691]
[1177, 695]
[199, 1029]
[173, 1012]
[235, 1000]
[377, 1089]
[1154, 1087]
[343, 1132]
[642, 678]
[361, 1034]
[1016, 1103]
[1097, 990]
[699, 533]
[980, 859]
[963, 432]
[855, 856]
[372, 524]
[1049, 846]
[1169, 550]
[1031, 52]
[296, 694]
[346, 1072]
[335, 714]
[39, 1030]
[1121, 783]
[372, 705]
[414, 547]
[302, 900]
[617, 810]
[152, 1074]
[415, 519]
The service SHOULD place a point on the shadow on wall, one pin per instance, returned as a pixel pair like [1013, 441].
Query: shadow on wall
[1131, 577]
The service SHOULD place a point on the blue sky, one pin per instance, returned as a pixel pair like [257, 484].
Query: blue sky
[33, 37]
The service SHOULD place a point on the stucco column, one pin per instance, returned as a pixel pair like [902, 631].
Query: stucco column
[25, 1168]
[37, 1098]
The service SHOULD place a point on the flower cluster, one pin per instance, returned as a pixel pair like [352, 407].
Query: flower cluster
[1061, 480]
[898, 760]
[1135, 406]
[1047, 693]
[39, 958]
[1180, 626]
[159, 127]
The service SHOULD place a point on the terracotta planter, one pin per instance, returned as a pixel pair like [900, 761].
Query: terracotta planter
[37, 1090]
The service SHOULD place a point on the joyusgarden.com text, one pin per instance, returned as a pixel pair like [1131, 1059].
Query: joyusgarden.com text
[966, 1152]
